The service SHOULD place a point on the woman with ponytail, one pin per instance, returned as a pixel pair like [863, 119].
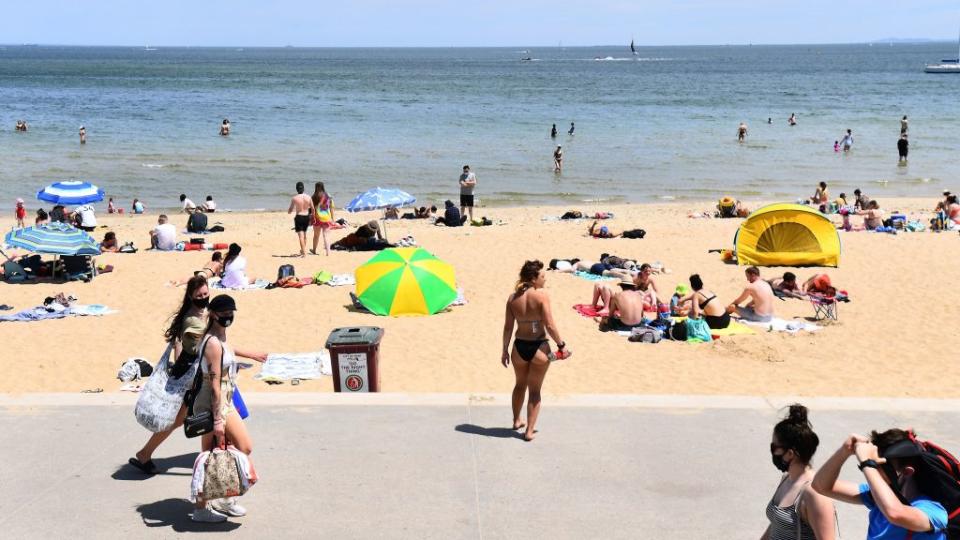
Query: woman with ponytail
[528, 308]
[796, 511]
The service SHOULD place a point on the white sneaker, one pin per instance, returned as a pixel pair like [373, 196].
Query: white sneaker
[206, 515]
[229, 507]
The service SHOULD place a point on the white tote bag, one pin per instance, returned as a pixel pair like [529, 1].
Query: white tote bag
[162, 396]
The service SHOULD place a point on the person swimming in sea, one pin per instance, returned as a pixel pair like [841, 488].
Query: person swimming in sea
[558, 160]
[225, 127]
[742, 132]
[793, 119]
[572, 127]
[553, 132]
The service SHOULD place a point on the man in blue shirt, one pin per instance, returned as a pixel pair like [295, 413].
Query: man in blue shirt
[890, 463]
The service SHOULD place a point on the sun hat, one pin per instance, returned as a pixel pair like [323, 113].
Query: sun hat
[19, 200]
[682, 290]
[626, 282]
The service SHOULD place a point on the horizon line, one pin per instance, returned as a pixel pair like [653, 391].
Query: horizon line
[898, 41]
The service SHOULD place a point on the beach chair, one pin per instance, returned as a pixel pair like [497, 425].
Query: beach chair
[79, 267]
[825, 307]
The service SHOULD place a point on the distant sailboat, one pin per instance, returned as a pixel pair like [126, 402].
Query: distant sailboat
[148, 48]
[947, 65]
[632, 48]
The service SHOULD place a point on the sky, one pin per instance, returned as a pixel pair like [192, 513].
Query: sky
[483, 23]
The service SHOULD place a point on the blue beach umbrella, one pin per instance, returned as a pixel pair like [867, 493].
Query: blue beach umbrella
[53, 238]
[70, 192]
[380, 198]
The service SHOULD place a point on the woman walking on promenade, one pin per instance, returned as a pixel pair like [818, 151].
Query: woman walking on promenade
[529, 308]
[796, 511]
[186, 330]
[322, 218]
[219, 367]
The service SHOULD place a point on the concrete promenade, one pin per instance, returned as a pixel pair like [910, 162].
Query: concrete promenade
[433, 466]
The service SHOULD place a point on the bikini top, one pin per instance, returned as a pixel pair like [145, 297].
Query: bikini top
[706, 300]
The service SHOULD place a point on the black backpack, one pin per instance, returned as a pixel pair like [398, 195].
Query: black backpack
[285, 270]
[197, 223]
[942, 479]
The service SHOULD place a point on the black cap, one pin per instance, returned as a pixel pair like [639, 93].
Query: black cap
[903, 449]
[223, 302]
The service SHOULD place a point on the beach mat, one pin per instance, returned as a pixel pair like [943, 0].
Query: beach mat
[589, 311]
[214, 283]
[593, 277]
[736, 328]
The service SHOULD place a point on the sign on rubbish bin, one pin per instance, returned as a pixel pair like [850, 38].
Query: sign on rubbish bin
[355, 356]
[353, 372]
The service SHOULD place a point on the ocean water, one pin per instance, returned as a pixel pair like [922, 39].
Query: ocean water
[661, 125]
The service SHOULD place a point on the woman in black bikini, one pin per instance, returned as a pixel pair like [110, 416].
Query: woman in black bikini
[702, 302]
[529, 308]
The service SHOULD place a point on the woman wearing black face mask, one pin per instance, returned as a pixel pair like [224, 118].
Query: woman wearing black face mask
[219, 368]
[186, 329]
[796, 511]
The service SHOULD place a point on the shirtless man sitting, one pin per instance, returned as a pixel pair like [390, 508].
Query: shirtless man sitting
[626, 307]
[786, 286]
[760, 294]
[302, 204]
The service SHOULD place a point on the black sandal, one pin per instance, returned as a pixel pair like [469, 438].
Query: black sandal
[146, 468]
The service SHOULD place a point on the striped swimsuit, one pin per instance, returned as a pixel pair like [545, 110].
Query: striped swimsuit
[785, 523]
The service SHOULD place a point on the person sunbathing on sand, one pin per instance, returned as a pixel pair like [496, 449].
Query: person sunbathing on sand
[627, 306]
[213, 268]
[235, 269]
[602, 231]
[872, 216]
[109, 243]
[702, 304]
[593, 267]
[786, 286]
[760, 294]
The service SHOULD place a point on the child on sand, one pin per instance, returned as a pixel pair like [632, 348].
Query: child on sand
[21, 213]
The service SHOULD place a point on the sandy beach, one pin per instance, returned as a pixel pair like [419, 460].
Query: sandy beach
[901, 288]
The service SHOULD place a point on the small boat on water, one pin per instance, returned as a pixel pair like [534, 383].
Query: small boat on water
[947, 65]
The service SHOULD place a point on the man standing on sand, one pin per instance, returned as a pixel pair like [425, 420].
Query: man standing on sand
[742, 132]
[903, 146]
[760, 294]
[303, 206]
[468, 181]
[558, 160]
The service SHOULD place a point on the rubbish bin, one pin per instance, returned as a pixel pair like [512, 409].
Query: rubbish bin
[354, 357]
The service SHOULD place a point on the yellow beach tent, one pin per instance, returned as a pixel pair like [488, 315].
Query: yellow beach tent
[787, 235]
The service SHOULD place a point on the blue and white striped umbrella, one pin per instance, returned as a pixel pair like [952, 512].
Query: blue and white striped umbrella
[53, 238]
[380, 198]
[71, 192]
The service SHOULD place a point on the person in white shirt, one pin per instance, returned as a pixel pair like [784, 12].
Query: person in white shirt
[84, 217]
[188, 205]
[164, 236]
[210, 205]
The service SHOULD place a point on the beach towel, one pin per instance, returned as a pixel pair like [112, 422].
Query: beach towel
[735, 328]
[214, 283]
[590, 311]
[592, 277]
[289, 366]
[781, 325]
[338, 280]
[40, 313]
[460, 300]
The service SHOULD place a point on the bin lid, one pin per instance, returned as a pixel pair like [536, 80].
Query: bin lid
[355, 335]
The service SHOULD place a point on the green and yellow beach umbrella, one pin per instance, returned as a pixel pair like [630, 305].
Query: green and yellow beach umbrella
[405, 281]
